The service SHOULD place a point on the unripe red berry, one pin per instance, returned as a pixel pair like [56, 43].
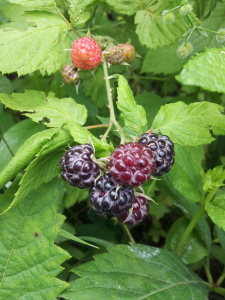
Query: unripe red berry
[86, 54]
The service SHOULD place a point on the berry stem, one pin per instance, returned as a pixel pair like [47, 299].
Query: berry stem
[111, 108]
[97, 126]
[7, 145]
[128, 233]
[198, 214]
[70, 25]
[207, 30]
[207, 272]
[221, 278]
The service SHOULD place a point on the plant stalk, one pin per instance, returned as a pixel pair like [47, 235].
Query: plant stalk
[70, 25]
[198, 214]
[7, 145]
[97, 126]
[111, 107]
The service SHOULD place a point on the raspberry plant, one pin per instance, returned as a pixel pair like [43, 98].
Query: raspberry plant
[159, 98]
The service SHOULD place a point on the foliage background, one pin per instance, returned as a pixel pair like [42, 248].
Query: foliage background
[182, 98]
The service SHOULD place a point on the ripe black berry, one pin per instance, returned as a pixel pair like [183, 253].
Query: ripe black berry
[139, 212]
[107, 199]
[163, 149]
[78, 168]
[132, 164]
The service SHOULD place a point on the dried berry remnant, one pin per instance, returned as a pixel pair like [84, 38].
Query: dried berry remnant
[128, 52]
[138, 214]
[184, 50]
[132, 164]
[70, 75]
[163, 149]
[114, 55]
[78, 168]
[86, 54]
[107, 198]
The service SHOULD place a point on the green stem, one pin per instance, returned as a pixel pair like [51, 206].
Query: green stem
[214, 190]
[190, 34]
[207, 272]
[207, 30]
[221, 278]
[110, 102]
[189, 229]
[107, 132]
[219, 290]
[7, 145]
[97, 126]
[70, 25]
[128, 233]
[191, 21]
[198, 214]
[174, 8]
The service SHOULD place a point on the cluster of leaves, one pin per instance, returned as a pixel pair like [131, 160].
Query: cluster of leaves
[40, 119]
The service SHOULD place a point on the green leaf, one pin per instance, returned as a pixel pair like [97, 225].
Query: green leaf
[37, 4]
[216, 210]
[41, 170]
[5, 85]
[163, 60]
[218, 253]
[193, 249]
[190, 124]
[25, 154]
[80, 10]
[29, 259]
[136, 272]
[81, 135]
[153, 32]
[72, 237]
[188, 207]
[148, 100]
[198, 71]
[56, 112]
[73, 195]
[15, 137]
[134, 115]
[37, 48]
[186, 176]
[94, 86]
[210, 179]
[127, 7]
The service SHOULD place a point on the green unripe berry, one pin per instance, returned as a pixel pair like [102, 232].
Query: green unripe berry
[168, 17]
[183, 10]
[188, 7]
[221, 35]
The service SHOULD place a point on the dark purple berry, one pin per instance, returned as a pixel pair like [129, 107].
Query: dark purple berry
[132, 164]
[163, 149]
[139, 212]
[107, 198]
[78, 168]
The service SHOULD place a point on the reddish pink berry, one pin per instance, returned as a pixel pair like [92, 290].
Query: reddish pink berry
[132, 164]
[139, 212]
[128, 52]
[86, 54]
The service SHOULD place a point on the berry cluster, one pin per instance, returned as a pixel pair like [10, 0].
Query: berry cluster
[130, 165]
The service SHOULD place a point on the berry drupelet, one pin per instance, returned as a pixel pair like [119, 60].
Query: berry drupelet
[78, 168]
[132, 164]
[163, 149]
[107, 198]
